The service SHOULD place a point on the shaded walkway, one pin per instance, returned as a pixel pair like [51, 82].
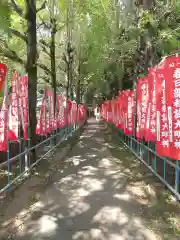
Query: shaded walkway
[88, 198]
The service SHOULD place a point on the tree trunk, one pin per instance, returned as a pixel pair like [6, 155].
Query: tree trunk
[31, 68]
[149, 52]
[68, 79]
[69, 71]
[53, 60]
[145, 55]
[70, 74]
[71, 82]
[78, 86]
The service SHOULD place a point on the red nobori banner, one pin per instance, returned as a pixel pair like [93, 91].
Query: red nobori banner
[115, 111]
[62, 112]
[130, 117]
[14, 109]
[158, 108]
[142, 106]
[150, 132]
[74, 111]
[82, 111]
[162, 128]
[50, 110]
[24, 104]
[129, 112]
[115, 116]
[3, 126]
[119, 100]
[69, 109]
[58, 112]
[3, 71]
[41, 122]
[138, 103]
[123, 110]
[4, 112]
[172, 77]
[122, 113]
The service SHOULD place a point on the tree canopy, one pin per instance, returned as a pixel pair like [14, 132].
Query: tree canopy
[86, 47]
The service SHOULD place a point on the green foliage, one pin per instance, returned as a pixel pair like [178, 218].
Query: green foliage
[106, 39]
[4, 14]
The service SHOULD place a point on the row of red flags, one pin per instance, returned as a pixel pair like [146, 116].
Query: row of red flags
[67, 112]
[157, 108]
[14, 111]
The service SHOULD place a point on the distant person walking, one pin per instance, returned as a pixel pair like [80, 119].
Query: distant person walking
[97, 113]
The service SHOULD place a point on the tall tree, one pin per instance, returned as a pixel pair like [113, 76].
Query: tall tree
[31, 66]
[27, 14]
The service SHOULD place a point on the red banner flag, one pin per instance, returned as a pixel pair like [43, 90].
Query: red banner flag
[3, 71]
[130, 113]
[62, 112]
[82, 112]
[14, 109]
[74, 112]
[24, 104]
[4, 111]
[58, 110]
[69, 107]
[50, 111]
[142, 106]
[172, 76]
[115, 111]
[119, 100]
[41, 122]
[162, 128]
[109, 112]
[150, 132]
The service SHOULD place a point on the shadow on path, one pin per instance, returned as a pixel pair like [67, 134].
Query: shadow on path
[90, 197]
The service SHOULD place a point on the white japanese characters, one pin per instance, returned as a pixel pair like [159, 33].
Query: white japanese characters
[130, 113]
[176, 109]
[164, 138]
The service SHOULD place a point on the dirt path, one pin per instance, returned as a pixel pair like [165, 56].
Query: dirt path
[94, 195]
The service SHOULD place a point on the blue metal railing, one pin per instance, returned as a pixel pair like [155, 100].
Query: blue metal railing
[167, 170]
[13, 169]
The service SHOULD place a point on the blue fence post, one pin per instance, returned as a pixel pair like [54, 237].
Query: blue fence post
[177, 176]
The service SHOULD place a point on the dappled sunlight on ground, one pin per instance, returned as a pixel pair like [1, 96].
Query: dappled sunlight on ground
[94, 198]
